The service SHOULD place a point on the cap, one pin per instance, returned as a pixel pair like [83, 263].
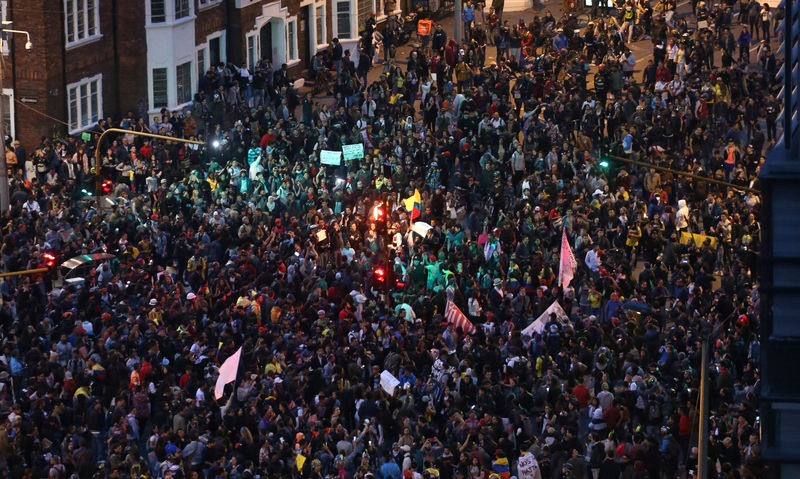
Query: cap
[191, 296]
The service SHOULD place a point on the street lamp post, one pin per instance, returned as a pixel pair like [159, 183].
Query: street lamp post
[5, 197]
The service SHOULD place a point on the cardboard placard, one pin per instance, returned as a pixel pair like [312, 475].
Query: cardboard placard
[328, 157]
[388, 382]
[353, 152]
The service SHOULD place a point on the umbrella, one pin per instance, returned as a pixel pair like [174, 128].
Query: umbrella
[638, 306]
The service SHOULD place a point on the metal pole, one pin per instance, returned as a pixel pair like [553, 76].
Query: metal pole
[683, 173]
[702, 440]
[5, 197]
[457, 21]
[25, 271]
[97, 151]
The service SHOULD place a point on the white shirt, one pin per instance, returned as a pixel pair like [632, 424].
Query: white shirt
[591, 260]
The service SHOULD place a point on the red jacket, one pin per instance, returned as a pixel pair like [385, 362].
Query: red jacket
[450, 53]
[663, 74]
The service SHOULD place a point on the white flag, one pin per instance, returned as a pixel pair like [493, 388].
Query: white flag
[227, 373]
[421, 228]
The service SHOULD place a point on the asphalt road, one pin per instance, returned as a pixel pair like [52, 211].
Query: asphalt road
[642, 49]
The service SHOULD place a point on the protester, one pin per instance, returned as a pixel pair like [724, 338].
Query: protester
[328, 275]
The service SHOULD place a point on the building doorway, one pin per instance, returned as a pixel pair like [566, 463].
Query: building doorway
[266, 43]
[214, 51]
[304, 18]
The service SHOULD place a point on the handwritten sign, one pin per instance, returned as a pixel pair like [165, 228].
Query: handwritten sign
[353, 152]
[328, 157]
[388, 382]
[528, 468]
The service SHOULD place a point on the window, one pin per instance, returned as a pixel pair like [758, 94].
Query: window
[201, 62]
[343, 20]
[181, 9]
[252, 53]
[85, 103]
[160, 99]
[208, 3]
[82, 18]
[8, 112]
[319, 22]
[184, 81]
[158, 11]
[291, 40]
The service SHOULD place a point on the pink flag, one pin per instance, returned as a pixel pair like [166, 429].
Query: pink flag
[454, 315]
[227, 373]
[567, 264]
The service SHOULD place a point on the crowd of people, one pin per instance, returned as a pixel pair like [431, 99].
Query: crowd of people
[251, 242]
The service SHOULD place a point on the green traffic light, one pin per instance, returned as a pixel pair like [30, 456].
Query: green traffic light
[604, 164]
[87, 193]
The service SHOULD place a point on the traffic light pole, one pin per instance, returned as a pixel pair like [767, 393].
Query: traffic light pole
[129, 132]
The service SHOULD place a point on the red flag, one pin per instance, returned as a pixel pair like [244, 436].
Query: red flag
[567, 264]
[454, 315]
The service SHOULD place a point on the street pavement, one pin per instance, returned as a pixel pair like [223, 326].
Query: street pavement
[642, 49]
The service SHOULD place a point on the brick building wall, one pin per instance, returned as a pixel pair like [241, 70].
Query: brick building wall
[40, 77]
[131, 56]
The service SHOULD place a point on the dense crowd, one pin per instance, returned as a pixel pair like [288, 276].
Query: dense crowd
[251, 242]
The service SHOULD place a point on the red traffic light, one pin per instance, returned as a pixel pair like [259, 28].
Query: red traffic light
[49, 260]
[377, 213]
[380, 274]
[106, 185]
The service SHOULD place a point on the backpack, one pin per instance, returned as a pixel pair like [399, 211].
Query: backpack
[653, 409]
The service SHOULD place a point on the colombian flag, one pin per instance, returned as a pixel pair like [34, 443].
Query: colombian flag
[99, 372]
[413, 205]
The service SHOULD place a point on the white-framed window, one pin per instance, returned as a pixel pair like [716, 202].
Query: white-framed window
[291, 40]
[208, 3]
[160, 88]
[85, 100]
[182, 9]
[8, 112]
[252, 50]
[342, 26]
[319, 24]
[378, 6]
[82, 21]
[183, 76]
[158, 11]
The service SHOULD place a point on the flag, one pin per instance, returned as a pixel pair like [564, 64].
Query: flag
[227, 373]
[567, 264]
[538, 325]
[454, 315]
[414, 205]
[421, 228]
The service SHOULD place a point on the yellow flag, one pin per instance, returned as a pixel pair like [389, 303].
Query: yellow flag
[301, 459]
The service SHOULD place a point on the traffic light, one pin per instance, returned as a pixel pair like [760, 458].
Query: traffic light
[106, 186]
[86, 192]
[379, 275]
[49, 260]
[604, 163]
[378, 213]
